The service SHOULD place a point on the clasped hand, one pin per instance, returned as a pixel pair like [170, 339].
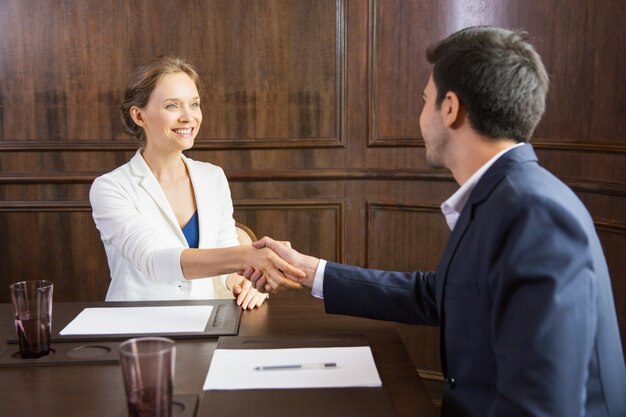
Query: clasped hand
[300, 269]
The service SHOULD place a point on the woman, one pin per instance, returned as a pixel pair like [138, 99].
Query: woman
[166, 221]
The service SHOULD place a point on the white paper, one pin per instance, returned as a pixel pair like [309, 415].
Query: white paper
[139, 320]
[235, 368]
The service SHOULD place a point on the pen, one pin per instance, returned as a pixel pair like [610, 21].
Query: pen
[319, 365]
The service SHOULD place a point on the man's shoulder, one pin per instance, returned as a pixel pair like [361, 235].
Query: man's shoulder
[532, 182]
[532, 192]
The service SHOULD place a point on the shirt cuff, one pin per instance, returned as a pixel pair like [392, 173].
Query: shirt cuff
[317, 290]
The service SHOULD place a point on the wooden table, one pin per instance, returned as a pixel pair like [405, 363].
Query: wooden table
[97, 389]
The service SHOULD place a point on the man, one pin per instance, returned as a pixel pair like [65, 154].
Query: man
[522, 293]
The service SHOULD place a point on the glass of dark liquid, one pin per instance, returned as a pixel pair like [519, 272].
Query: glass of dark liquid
[148, 370]
[32, 305]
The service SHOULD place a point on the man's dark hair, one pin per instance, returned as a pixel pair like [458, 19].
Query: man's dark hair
[498, 77]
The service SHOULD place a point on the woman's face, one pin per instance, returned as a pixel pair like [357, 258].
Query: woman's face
[172, 117]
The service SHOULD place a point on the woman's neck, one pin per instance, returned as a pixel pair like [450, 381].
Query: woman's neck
[165, 167]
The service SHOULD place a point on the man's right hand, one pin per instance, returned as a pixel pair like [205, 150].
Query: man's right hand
[305, 263]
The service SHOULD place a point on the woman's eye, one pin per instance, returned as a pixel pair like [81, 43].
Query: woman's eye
[195, 105]
[171, 106]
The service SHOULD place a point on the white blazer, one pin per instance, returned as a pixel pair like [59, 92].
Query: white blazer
[141, 235]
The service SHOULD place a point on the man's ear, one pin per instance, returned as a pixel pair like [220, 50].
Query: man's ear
[451, 110]
[135, 113]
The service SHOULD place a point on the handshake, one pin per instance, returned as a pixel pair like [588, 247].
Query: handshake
[274, 265]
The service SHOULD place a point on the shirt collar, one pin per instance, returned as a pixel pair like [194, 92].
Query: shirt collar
[452, 207]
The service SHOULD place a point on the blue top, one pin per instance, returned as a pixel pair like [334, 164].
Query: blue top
[192, 231]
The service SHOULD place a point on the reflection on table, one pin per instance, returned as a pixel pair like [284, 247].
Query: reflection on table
[79, 389]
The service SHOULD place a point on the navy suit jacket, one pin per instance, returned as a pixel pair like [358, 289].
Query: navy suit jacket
[522, 296]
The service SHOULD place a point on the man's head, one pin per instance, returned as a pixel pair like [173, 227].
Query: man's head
[498, 77]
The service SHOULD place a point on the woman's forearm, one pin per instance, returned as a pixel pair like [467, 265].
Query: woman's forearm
[202, 263]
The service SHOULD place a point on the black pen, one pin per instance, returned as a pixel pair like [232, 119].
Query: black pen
[317, 365]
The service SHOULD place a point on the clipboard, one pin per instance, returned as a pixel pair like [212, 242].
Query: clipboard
[224, 320]
[309, 402]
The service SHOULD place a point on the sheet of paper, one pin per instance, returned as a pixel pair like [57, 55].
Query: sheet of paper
[139, 320]
[236, 368]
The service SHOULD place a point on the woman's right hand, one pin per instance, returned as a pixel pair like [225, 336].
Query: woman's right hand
[305, 263]
[276, 271]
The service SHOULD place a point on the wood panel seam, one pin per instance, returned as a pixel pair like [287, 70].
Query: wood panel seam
[250, 175]
[282, 143]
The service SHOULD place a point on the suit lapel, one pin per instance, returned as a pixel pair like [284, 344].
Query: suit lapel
[149, 183]
[458, 232]
[442, 273]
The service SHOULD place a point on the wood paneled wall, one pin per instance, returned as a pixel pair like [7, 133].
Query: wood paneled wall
[312, 109]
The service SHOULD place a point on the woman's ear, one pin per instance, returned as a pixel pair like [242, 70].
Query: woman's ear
[451, 109]
[135, 113]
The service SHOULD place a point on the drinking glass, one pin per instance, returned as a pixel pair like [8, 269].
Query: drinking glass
[32, 305]
[148, 370]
